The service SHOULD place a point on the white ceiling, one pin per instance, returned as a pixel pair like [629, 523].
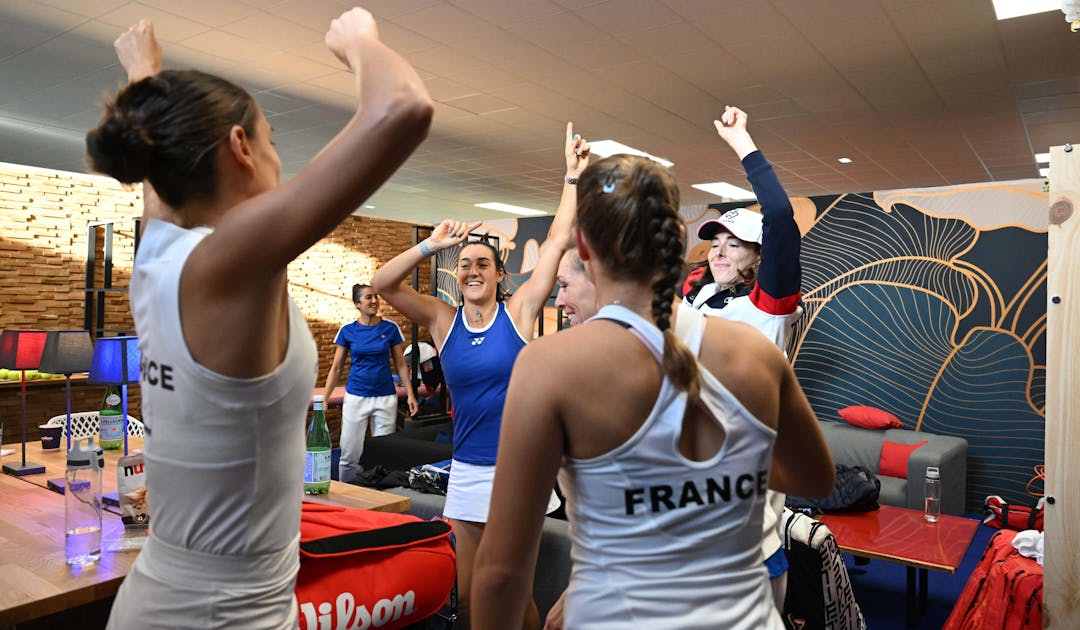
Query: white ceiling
[917, 92]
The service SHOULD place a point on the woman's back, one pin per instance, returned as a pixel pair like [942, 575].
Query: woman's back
[667, 530]
[226, 453]
[663, 537]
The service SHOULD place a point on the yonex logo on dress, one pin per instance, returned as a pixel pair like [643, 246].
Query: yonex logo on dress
[476, 341]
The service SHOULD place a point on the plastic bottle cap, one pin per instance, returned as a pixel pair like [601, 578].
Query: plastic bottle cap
[317, 398]
[932, 472]
[83, 453]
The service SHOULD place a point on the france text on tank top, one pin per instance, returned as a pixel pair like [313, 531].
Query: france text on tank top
[369, 356]
[476, 364]
[224, 455]
[659, 540]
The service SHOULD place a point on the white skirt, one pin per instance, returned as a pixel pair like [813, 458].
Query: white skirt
[172, 589]
[468, 493]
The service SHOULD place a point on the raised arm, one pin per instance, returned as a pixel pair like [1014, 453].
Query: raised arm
[529, 298]
[140, 55]
[393, 115]
[779, 278]
[530, 449]
[424, 310]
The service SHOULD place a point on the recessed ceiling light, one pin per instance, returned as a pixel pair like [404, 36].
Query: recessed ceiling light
[505, 207]
[1044, 172]
[368, 205]
[604, 148]
[1006, 9]
[725, 190]
[844, 160]
[1042, 158]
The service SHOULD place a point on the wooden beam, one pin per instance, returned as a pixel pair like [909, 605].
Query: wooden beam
[1061, 588]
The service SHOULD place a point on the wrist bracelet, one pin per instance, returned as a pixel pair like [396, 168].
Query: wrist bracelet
[424, 249]
[572, 181]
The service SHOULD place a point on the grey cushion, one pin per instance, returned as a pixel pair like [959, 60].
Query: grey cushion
[893, 491]
[853, 446]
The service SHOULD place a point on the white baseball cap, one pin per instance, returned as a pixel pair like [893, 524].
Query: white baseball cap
[743, 224]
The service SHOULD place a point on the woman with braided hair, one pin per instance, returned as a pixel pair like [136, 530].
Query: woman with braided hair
[664, 466]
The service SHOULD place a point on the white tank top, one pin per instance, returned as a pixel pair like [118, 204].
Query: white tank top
[660, 541]
[224, 455]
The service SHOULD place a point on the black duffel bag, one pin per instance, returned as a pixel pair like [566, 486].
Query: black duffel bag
[857, 490]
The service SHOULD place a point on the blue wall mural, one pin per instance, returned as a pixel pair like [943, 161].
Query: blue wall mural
[931, 304]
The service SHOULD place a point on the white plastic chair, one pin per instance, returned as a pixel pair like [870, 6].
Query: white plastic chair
[86, 423]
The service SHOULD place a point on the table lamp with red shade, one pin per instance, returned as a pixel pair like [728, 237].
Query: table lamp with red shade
[21, 350]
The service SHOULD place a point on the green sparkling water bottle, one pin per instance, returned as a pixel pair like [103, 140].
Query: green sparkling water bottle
[317, 460]
[111, 420]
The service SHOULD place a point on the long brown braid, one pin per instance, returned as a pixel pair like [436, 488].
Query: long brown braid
[628, 211]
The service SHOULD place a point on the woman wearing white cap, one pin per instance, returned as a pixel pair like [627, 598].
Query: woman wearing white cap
[753, 275]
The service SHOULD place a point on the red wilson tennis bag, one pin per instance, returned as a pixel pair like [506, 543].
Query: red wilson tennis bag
[364, 569]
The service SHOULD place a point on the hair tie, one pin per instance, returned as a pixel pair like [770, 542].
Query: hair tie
[609, 181]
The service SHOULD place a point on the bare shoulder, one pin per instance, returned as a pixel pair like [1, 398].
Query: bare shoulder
[584, 353]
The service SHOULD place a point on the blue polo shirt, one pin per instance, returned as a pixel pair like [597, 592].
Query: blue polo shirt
[369, 351]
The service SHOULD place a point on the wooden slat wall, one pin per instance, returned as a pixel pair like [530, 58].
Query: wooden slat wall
[1061, 598]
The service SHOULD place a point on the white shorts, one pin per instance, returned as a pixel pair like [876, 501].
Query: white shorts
[468, 493]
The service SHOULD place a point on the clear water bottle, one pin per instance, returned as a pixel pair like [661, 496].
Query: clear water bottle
[82, 503]
[933, 495]
[317, 460]
[111, 419]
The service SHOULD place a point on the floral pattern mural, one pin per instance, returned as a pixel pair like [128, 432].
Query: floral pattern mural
[931, 304]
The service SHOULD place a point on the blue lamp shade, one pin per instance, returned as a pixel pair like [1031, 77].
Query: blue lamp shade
[116, 361]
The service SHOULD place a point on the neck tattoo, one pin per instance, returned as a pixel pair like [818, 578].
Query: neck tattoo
[478, 316]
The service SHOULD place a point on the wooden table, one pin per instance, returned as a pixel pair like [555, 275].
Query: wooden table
[343, 494]
[903, 536]
[34, 579]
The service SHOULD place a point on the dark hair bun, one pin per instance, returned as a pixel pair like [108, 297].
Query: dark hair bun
[121, 145]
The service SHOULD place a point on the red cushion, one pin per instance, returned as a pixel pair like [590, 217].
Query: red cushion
[870, 418]
[894, 458]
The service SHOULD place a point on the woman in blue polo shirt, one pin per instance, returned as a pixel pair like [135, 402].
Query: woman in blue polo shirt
[372, 344]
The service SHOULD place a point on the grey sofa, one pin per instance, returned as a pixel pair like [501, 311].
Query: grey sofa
[852, 445]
